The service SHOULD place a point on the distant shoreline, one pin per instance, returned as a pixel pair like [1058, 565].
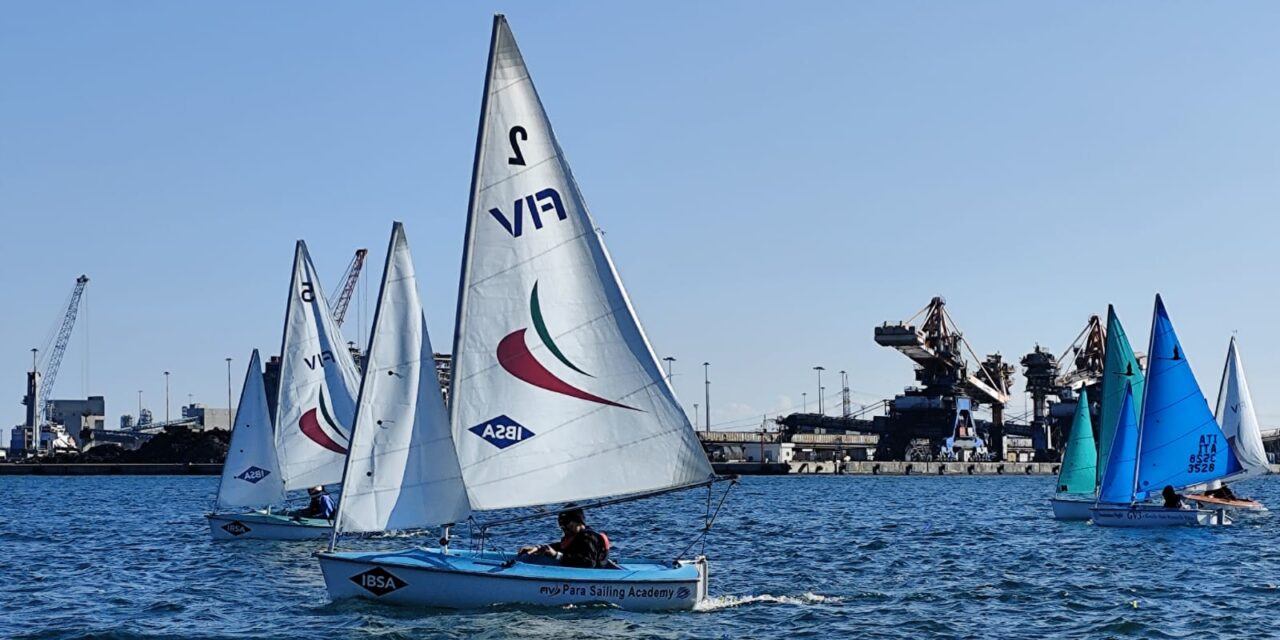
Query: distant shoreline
[111, 469]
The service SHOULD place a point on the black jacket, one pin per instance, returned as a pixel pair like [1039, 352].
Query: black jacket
[586, 549]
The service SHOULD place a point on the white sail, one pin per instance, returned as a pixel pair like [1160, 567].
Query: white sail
[251, 474]
[402, 471]
[557, 395]
[318, 382]
[1239, 422]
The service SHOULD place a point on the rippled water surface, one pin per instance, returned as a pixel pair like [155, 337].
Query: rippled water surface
[793, 557]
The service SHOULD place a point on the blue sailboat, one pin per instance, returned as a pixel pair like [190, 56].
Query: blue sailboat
[1178, 442]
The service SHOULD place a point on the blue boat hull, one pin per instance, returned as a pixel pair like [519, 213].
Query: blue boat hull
[266, 526]
[469, 580]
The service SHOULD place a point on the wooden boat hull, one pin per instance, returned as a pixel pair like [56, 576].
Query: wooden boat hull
[1072, 507]
[469, 580]
[1237, 505]
[266, 526]
[1144, 515]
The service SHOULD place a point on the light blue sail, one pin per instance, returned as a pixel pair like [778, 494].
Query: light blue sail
[1079, 471]
[1181, 442]
[1120, 370]
[1117, 483]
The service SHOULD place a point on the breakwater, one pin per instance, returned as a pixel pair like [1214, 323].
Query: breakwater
[110, 469]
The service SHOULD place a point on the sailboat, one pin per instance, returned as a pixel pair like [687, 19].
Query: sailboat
[1176, 444]
[1079, 471]
[1235, 413]
[556, 396]
[316, 403]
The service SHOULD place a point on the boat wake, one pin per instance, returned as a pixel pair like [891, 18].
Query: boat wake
[730, 602]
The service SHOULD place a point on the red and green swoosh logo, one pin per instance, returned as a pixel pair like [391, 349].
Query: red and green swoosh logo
[515, 357]
[328, 437]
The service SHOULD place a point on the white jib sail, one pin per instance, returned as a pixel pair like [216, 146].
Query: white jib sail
[1239, 422]
[402, 471]
[318, 382]
[557, 395]
[251, 474]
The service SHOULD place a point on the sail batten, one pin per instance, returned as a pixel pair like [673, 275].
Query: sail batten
[318, 380]
[557, 395]
[251, 472]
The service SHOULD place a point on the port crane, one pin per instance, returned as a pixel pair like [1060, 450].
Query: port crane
[342, 297]
[37, 397]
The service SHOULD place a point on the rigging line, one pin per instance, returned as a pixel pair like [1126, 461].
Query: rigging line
[707, 529]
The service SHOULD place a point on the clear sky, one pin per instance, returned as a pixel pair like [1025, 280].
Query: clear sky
[774, 179]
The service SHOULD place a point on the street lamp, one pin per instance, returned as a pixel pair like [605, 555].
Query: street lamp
[668, 360]
[706, 383]
[139, 405]
[804, 402]
[695, 416]
[819, 369]
[231, 419]
[166, 396]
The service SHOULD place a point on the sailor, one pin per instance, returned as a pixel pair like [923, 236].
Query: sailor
[1171, 498]
[581, 546]
[321, 505]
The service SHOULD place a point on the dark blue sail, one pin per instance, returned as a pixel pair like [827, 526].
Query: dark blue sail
[1181, 443]
[1117, 480]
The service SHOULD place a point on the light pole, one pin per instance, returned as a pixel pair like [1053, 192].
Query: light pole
[668, 360]
[695, 416]
[231, 419]
[819, 369]
[139, 405]
[166, 396]
[706, 383]
[804, 402]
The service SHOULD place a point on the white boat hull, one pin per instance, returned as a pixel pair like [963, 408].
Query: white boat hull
[1072, 508]
[265, 526]
[1220, 503]
[468, 580]
[1156, 516]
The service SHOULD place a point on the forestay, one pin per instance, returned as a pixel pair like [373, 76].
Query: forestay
[317, 384]
[402, 471]
[1120, 370]
[251, 473]
[1117, 484]
[1239, 422]
[1182, 444]
[1079, 472]
[557, 395]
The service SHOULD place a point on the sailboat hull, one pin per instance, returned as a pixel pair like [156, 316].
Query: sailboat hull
[1156, 516]
[470, 580]
[266, 526]
[1072, 507]
[1235, 505]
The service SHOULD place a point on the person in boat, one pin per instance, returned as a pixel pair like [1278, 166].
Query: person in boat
[581, 545]
[1171, 498]
[1222, 492]
[321, 505]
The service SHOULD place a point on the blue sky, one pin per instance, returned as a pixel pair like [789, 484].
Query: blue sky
[774, 179]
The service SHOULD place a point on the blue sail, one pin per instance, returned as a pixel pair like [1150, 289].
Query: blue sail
[1117, 481]
[1120, 369]
[1182, 443]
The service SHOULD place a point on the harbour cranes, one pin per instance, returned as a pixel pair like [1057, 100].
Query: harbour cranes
[37, 397]
[343, 297]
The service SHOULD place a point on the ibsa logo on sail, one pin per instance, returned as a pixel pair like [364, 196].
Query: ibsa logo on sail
[502, 432]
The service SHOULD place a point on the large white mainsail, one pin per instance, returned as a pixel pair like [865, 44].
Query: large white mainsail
[402, 471]
[318, 382]
[1239, 422]
[251, 473]
[557, 395]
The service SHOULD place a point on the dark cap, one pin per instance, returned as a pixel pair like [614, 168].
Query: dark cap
[572, 515]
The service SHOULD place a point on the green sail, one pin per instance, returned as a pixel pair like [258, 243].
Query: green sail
[1120, 366]
[1079, 471]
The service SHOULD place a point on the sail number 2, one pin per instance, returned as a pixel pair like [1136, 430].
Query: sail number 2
[517, 132]
[1202, 461]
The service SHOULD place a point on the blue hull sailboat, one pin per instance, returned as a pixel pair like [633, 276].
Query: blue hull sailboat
[1176, 444]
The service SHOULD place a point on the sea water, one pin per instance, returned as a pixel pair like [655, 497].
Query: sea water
[791, 557]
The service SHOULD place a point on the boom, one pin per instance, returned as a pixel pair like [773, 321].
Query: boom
[60, 346]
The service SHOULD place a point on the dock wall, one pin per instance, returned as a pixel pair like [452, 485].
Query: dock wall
[110, 469]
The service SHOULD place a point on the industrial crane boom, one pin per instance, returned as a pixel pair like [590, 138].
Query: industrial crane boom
[60, 345]
[340, 302]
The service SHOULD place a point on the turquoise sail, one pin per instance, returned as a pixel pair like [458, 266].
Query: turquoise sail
[1181, 442]
[1117, 483]
[1120, 370]
[1079, 471]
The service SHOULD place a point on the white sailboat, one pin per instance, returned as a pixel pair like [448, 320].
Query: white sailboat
[1234, 412]
[316, 404]
[556, 394]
